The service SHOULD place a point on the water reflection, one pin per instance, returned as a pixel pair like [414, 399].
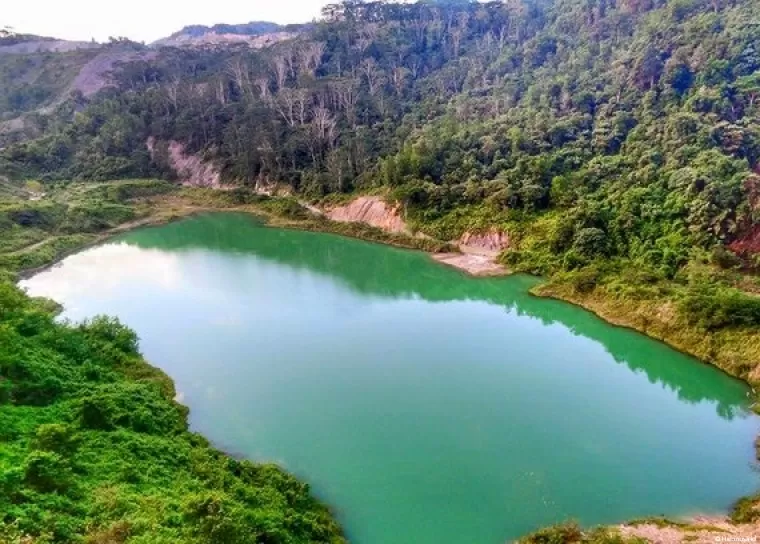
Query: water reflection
[398, 274]
[425, 406]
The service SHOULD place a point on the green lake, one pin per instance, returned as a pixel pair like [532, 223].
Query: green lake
[424, 406]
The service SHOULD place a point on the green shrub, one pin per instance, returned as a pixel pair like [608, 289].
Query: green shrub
[746, 510]
[218, 519]
[565, 533]
[585, 280]
[128, 190]
[139, 407]
[108, 330]
[57, 438]
[725, 258]
[47, 472]
[289, 208]
[590, 242]
[712, 307]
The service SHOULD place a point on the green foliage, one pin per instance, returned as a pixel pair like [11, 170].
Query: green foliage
[746, 510]
[95, 450]
[633, 126]
[47, 472]
[285, 207]
[570, 533]
[713, 306]
[135, 406]
[57, 438]
[565, 533]
[586, 280]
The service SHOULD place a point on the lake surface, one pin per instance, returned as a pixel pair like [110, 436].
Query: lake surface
[423, 405]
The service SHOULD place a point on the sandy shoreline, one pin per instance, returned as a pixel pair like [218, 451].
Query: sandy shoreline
[472, 263]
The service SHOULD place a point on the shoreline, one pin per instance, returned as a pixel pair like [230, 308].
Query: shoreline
[99, 239]
[620, 323]
[160, 216]
[472, 264]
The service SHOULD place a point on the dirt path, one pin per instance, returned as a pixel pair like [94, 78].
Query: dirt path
[31, 247]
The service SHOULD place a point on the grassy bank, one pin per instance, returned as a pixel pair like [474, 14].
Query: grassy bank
[35, 233]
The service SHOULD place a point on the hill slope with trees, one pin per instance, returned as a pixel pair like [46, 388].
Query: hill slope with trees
[609, 138]
[641, 115]
[616, 142]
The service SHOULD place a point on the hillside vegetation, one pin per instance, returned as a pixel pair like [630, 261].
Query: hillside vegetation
[616, 141]
[93, 448]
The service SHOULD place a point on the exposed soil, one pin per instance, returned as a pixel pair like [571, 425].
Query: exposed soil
[371, 210]
[701, 530]
[96, 74]
[213, 39]
[492, 240]
[474, 264]
[478, 251]
[51, 46]
[191, 170]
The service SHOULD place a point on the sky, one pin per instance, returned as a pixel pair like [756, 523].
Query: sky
[144, 20]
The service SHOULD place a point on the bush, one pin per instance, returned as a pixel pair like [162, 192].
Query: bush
[585, 280]
[57, 438]
[286, 207]
[139, 407]
[713, 307]
[47, 472]
[103, 329]
[746, 510]
[724, 258]
[590, 242]
[218, 520]
[125, 191]
[565, 533]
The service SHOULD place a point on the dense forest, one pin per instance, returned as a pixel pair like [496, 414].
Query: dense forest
[616, 128]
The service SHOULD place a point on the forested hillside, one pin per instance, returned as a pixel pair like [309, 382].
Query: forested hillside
[640, 116]
[597, 133]
[614, 143]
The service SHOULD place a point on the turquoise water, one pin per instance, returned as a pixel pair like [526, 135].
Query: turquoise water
[423, 405]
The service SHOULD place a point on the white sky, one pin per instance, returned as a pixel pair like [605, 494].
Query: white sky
[144, 20]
